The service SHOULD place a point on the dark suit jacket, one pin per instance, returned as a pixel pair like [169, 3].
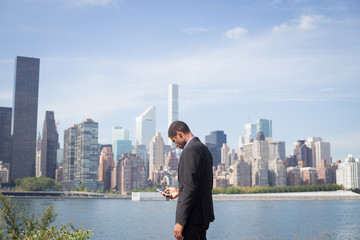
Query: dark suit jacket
[195, 205]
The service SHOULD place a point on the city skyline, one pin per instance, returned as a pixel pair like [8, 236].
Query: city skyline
[294, 62]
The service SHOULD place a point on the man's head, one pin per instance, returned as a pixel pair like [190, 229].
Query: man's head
[179, 133]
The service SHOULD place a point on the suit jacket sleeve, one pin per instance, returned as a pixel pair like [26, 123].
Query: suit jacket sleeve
[189, 172]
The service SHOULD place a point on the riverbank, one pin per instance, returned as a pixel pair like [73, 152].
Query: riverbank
[291, 196]
[63, 195]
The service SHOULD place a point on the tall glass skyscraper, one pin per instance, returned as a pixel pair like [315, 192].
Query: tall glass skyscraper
[173, 106]
[121, 142]
[49, 146]
[253, 129]
[265, 126]
[214, 142]
[145, 126]
[25, 106]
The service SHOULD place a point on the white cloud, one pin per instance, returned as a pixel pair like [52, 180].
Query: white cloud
[281, 28]
[303, 23]
[236, 33]
[197, 30]
[306, 23]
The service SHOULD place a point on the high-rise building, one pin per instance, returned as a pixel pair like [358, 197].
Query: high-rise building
[121, 142]
[86, 154]
[69, 154]
[253, 129]
[348, 173]
[265, 126]
[5, 134]
[303, 154]
[81, 156]
[250, 132]
[325, 173]
[4, 172]
[145, 126]
[225, 156]
[141, 152]
[241, 175]
[173, 106]
[156, 155]
[105, 165]
[267, 161]
[308, 176]
[25, 117]
[171, 161]
[277, 173]
[59, 173]
[293, 176]
[49, 146]
[214, 142]
[320, 150]
[133, 173]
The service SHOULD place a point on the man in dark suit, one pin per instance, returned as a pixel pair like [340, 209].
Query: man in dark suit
[194, 210]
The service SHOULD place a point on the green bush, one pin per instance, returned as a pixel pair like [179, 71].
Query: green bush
[37, 184]
[19, 223]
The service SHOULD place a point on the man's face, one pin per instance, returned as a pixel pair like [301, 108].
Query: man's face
[179, 140]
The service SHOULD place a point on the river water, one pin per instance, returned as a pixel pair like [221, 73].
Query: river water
[244, 220]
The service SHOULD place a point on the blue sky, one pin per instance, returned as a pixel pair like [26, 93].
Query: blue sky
[293, 61]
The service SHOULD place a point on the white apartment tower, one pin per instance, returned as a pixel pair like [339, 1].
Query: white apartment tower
[173, 105]
[145, 126]
[348, 173]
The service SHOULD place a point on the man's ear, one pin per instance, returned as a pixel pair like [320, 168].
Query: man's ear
[179, 134]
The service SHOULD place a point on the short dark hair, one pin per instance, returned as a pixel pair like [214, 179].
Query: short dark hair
[177, 126]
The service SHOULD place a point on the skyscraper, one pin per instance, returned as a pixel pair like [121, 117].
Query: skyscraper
[253, 129]
[5, 134]
[49, 146]
[265, 126]
[320, 150]
[303, 154]
[131, 173]
[214, 142]
[69, 154]
[156, 155]
[250, 132]
[121, 142]
[145, 126]
[348, 173]
[105, 165]
[141, 152]
[25, 117]
[173, 106]
[86, 154]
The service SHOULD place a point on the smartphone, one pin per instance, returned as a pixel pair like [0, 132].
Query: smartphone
[162, 191]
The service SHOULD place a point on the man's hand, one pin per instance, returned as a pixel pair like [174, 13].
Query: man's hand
[172, 193]
[178, 231]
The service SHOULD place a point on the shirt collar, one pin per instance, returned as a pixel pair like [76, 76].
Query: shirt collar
[189, 141]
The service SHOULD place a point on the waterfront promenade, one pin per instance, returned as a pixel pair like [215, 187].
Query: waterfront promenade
[290, 196]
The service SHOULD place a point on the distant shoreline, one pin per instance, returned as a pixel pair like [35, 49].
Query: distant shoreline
[290, 196]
